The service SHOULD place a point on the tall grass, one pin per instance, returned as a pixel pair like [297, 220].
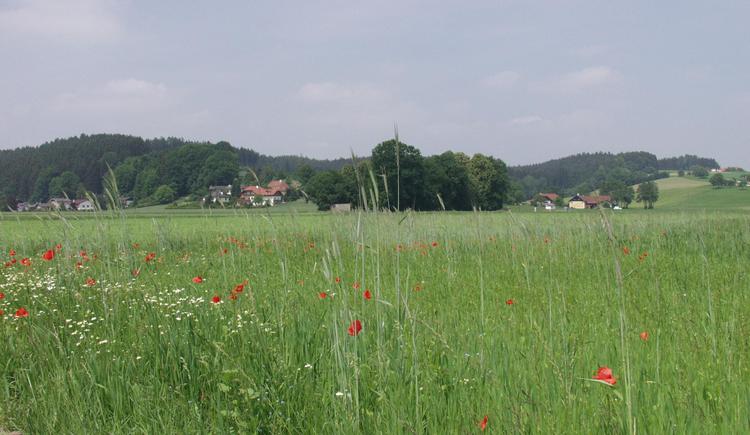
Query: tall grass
[439, 348]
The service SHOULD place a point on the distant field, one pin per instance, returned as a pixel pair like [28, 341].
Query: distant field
[687, 193]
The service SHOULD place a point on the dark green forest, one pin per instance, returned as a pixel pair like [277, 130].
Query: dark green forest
[161, 170]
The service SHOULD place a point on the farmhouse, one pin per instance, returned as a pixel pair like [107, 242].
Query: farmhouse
[220, 194]
[548, 200]
[279, 185]
[585, 201]
[83, 205]
[260, 196]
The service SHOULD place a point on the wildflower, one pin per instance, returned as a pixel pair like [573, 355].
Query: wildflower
[322, 295]
[367, 295]
[90, 282]
[26, 262]
[2, 295]
[644, 335]
[136, 245]
[49, 255]
[215, 299]
[239, 287]
[604, 374]
[233, 296]
[355, 328]
[510, 302]
[2, 312]
[135, 272]
[626, 250]
[8, 264]
[21, 312]
[338, 280]
[483, 423]
[150, 256]
[12, 253]
[58, 247]
[198, 280]
[418, 287]
[434, 244]
[79, 265]
[355, 286]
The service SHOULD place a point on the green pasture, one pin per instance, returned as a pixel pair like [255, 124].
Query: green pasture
[505, 315]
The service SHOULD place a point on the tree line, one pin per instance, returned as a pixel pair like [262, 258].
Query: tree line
[396, 176]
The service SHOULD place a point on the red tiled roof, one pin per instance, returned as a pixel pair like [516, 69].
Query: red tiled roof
[550, 196]
[595, 199]
[279, 185]
[262, 191]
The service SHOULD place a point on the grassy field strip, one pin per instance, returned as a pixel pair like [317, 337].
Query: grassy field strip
[376, 323]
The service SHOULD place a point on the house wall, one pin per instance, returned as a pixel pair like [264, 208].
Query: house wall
[577, 205]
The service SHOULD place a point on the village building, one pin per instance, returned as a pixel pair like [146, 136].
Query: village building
[257, 196]
[585, 201]
[341, 208]
[220, 194]
[83, 205]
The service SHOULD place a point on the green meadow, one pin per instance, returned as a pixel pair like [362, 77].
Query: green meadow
[378, 322]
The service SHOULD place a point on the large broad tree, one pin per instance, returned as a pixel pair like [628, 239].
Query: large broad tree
[327, 188]
[447, 181]
[489, 182]
[647, 193]
[402, 166]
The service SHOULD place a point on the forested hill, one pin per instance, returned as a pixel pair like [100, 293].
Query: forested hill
[588, 171]
[26, 173]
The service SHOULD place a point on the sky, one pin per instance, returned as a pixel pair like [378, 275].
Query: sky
[524, 81]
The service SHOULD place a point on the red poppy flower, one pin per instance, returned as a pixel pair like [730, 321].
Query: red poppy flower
[90, 282]
[418, 287]
[239, 287]
[79, 265]
[626, 250]
[58, 247]
[8, 264]
[434, 244]
[216, 299]
[2, 312]
[604, 374]
[12, 253]
[367, 295]
[198, 280]
[483, 423]
[2, 295]
[510, 302]
[26, 262]
[150, 256]
[21, 312]
[135, 272]
[355, 286]
[49, 255]
[355, 328]
[322, 295]
[233, 296]
[644, 335]
[338, 279]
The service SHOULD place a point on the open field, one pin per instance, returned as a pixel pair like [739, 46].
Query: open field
[469, 315]
[687, 193]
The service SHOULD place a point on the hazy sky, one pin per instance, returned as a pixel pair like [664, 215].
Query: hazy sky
[521, 80]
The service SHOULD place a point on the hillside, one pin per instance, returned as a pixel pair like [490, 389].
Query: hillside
[686, 193]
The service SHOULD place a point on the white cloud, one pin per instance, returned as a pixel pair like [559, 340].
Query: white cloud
[502, 80]
[337, 92]
[91, 20]
[524, 120]
[589, 77]
[125, 94]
